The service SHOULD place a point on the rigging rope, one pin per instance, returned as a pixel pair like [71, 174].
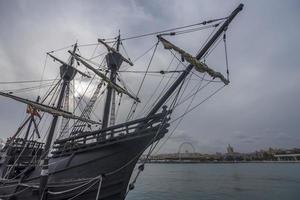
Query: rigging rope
[191, 95]
[191, 30]
[156, 89]
[139, 57]
[125, 50]
[50, 90]
[212, 48]
[43, 71]
[27, 81]
[93, 57]
[141, 84]
[173, 29]
[154, 72]
[27, 89]
[194, 107]
[94, 51]
[188, 111]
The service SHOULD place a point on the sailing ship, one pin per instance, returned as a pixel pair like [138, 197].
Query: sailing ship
[92, 159]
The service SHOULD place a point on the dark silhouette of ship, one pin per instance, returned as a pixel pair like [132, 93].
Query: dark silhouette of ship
[90, 164]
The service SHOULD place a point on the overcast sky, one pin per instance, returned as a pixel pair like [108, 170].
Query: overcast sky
[259, 109]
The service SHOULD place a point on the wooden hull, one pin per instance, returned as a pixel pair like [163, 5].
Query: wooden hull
[78, 174]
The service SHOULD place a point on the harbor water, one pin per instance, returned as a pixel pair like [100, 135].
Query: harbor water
[245, 181]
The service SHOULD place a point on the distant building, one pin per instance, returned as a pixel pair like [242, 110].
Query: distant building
[270, 154]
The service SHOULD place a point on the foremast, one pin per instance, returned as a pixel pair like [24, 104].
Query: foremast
[67, 73]
[202, 52]
[114, 62]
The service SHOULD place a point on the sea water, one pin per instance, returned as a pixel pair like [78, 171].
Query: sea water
[245, 181]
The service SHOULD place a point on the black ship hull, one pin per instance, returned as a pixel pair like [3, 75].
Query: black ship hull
[105, 167]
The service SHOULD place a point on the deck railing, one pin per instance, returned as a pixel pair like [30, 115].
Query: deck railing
[89, 138]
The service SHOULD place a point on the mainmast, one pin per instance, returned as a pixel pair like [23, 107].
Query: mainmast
[66, 101]
[67, 74]
[114, 61]
[203, 51]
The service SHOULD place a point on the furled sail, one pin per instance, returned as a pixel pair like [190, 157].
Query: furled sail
[109, 48]
[199, 66]
[48, 109]
[118, 88]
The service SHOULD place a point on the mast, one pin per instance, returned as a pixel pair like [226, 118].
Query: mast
[66, 101]
[199, 56]
[67, 74]
[114, 62]
[113, 103]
